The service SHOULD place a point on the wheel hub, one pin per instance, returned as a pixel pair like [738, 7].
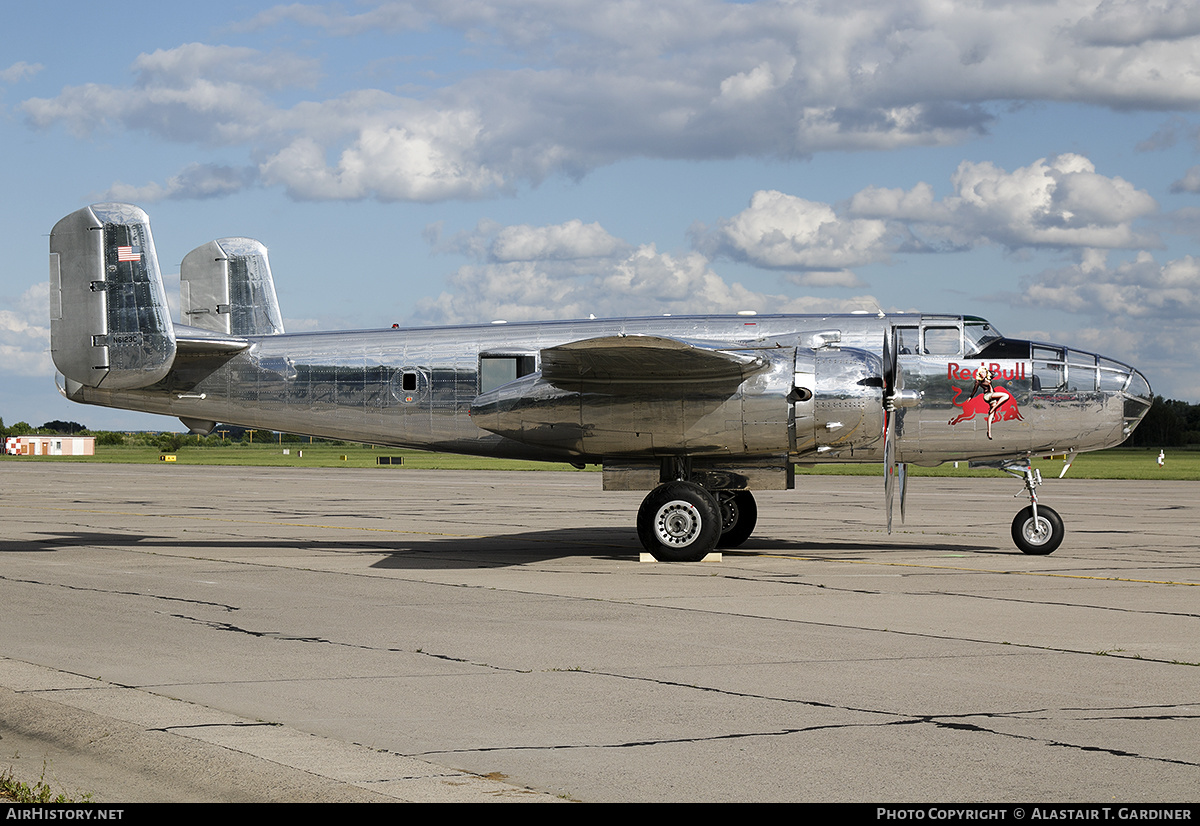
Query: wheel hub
[729, 512]
[677, 524]
[1036, 531]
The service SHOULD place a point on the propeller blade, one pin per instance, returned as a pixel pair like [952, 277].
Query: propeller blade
[890, 363]
[891, 378]
[902, 483]
[889, 476]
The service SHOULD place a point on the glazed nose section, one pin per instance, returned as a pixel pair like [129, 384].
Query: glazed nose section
[1138, 398]
[1139, 389]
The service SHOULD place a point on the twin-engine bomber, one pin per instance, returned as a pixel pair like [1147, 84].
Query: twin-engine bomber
[697, 410]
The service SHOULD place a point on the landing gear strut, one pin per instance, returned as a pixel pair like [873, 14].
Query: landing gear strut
[1037, 529]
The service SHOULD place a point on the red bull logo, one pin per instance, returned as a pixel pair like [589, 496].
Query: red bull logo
[988, 399]
[1006, 410]
[966, 372]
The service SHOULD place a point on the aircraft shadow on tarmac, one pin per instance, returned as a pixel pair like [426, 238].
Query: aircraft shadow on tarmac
[431, 551]
[621, 544]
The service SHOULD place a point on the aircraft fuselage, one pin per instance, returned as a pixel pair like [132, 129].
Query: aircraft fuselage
[416, 388]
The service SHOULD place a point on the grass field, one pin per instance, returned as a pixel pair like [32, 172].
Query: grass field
[1118, 463]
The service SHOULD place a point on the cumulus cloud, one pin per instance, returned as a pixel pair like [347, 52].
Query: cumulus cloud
[1139, 310]
[1061, 203]
[25, 334]
[1056, 202]
[495, 243]
[19, 71]
[196, 181]
[1128, 22]
[780, 231]
[1139, 289]
[585, 84]
[574, 270]
[430, 159]
[1190, 182]
[195, 93]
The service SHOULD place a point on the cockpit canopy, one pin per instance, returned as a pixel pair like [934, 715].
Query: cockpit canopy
[1054, 368]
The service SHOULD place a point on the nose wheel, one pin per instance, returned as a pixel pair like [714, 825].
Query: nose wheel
[1038, 534]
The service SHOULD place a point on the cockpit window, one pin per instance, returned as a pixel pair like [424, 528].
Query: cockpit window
[978, 334]
[942, 341]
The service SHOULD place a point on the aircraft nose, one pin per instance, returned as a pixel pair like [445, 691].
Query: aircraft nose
[1138, 398]
[1139, 388]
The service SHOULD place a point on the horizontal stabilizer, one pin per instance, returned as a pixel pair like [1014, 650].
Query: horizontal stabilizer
[613, 363]
[226, 286]
[109, 322]
[196, 341]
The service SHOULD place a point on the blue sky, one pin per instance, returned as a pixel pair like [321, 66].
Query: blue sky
[467, 160]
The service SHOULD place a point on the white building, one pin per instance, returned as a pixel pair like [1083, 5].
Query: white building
[50, 445]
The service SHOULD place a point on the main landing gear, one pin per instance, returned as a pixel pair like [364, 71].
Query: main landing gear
[1037, 529]
[682, 522]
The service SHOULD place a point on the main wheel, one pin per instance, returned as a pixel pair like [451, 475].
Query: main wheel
[739, 515]
[1038, 537]
[679, 522]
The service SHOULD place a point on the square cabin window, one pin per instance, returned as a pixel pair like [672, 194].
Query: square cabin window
[495, 371]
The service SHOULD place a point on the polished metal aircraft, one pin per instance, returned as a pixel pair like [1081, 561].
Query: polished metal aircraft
[697, 410]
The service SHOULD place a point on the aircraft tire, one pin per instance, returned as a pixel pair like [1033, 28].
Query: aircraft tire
[679, 522]
[1038, 539]
[739, 515]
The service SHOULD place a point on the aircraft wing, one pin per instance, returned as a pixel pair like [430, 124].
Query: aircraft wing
[616, 363]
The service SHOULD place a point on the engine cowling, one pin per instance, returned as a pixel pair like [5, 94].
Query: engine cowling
[838, 408]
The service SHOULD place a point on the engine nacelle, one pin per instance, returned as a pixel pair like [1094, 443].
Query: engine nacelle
[824, 403]
[714, 418]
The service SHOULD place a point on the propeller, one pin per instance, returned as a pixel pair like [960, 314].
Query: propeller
[894, 475]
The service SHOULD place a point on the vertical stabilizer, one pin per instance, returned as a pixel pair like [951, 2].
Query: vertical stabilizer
[226, 286]
[109, 322]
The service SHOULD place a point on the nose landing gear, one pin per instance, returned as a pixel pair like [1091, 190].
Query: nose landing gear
[1037, 529]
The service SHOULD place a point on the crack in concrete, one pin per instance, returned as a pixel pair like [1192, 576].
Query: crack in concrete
[955, 722]
[948, 722]
[241, 724]
[275, 635]
[110, 592]
[1066, 604]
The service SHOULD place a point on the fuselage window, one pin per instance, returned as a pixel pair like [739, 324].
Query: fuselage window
[1081, 371]
[1047, 377]
[495, 371]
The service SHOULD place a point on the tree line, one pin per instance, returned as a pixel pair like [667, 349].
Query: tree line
[1168, 423]
[166, 441]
